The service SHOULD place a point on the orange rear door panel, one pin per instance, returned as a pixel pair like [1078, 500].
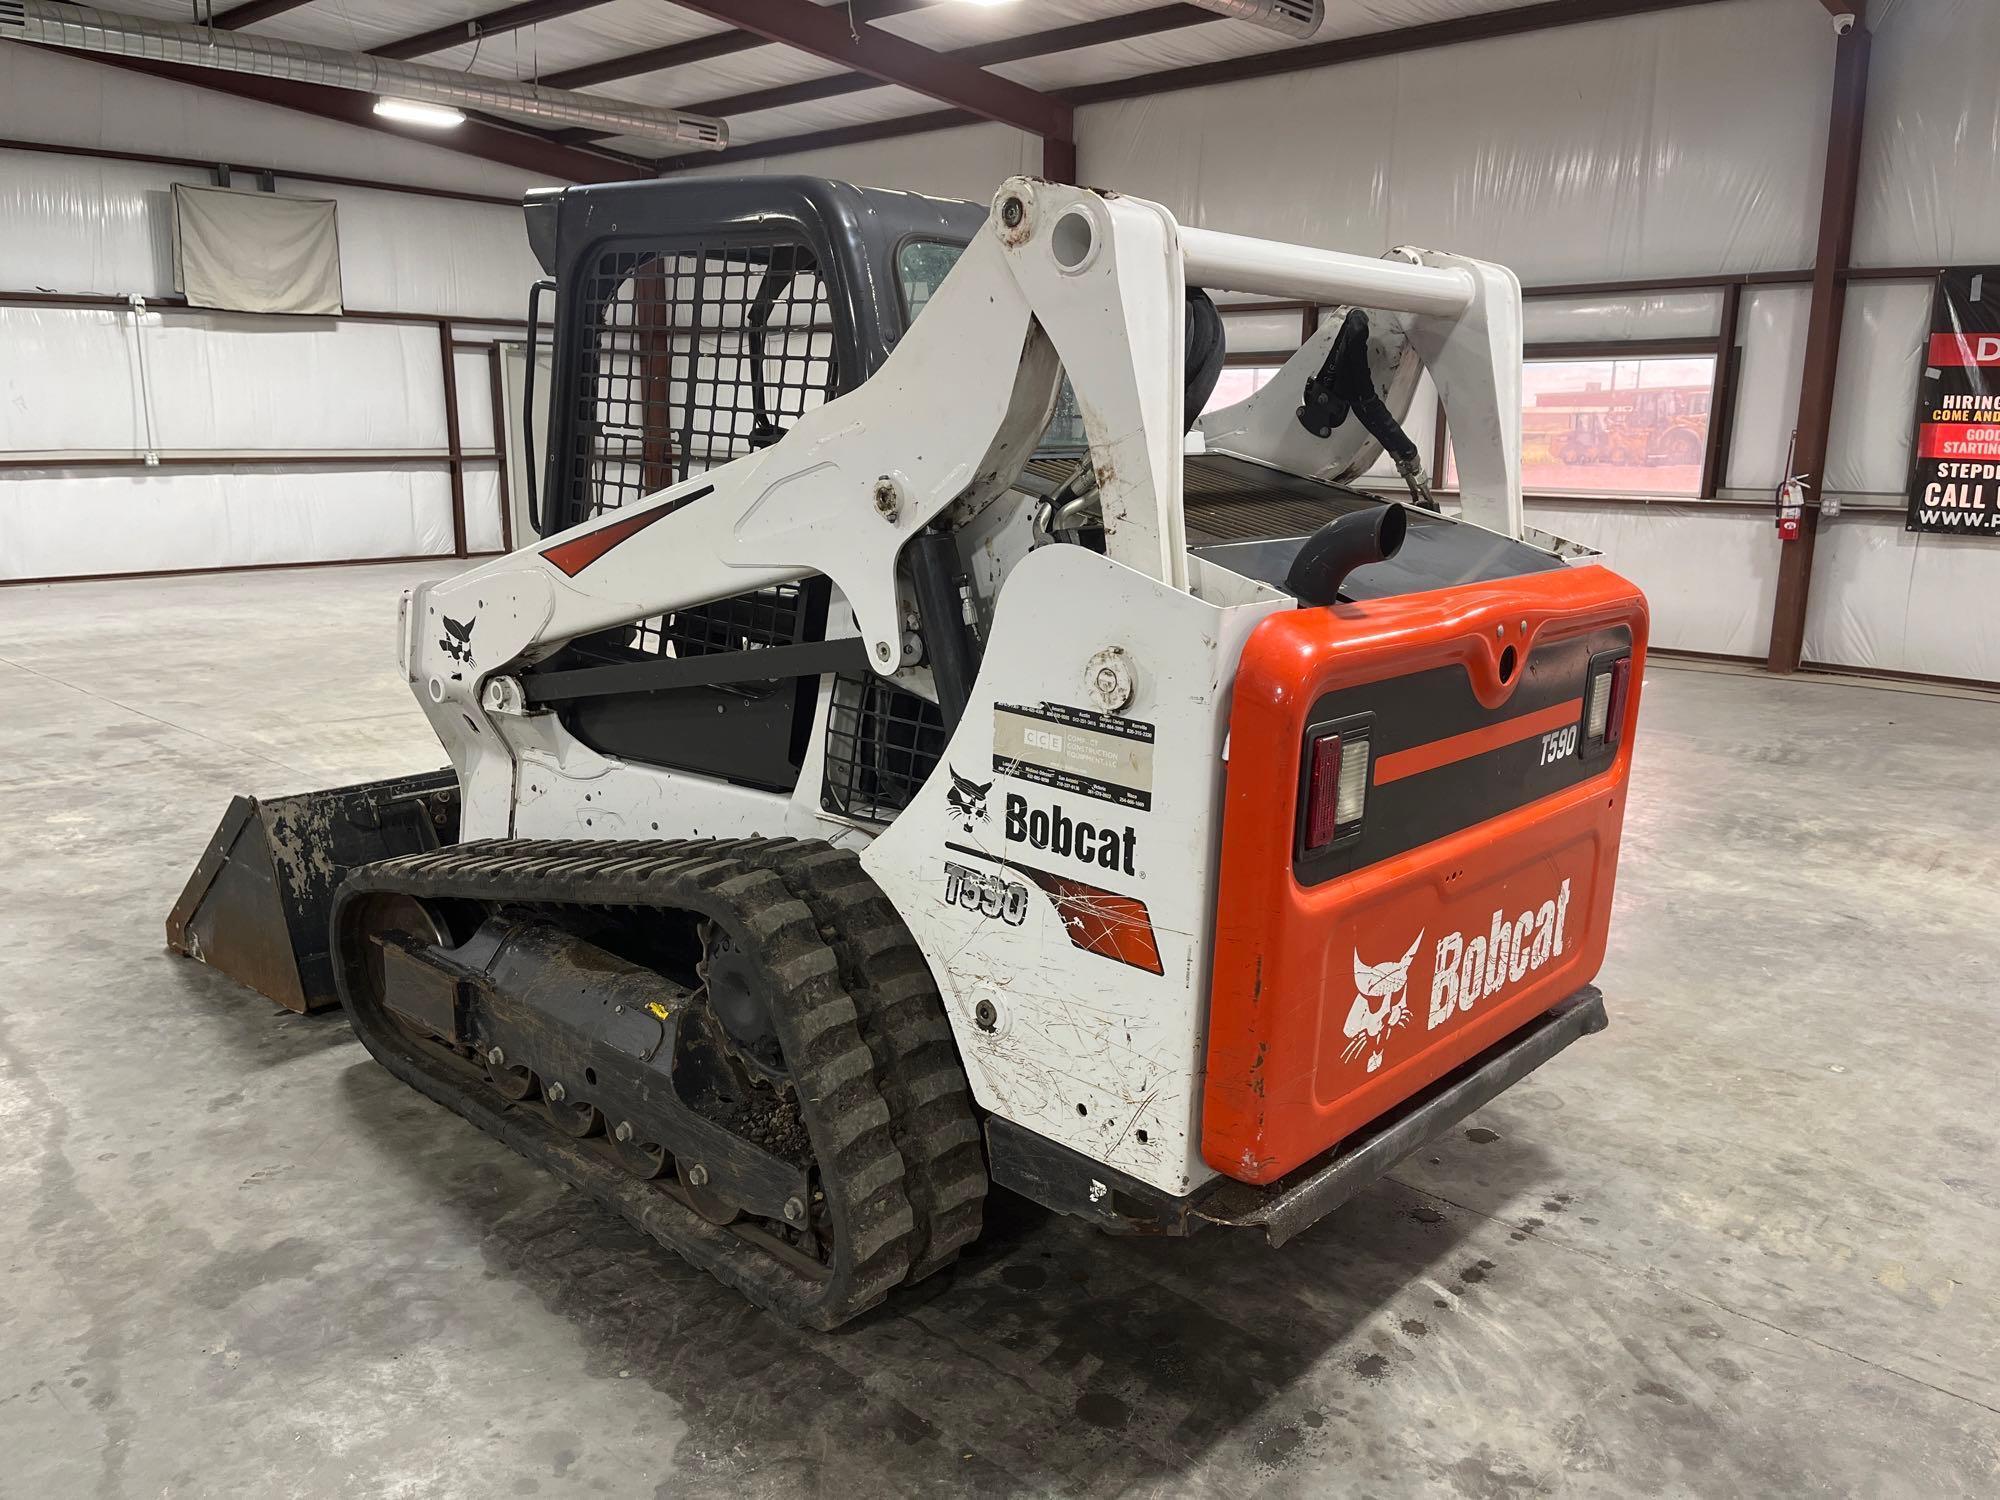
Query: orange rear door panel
[1477, 894]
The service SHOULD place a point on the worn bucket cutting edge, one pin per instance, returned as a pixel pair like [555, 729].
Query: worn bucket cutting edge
[259, 901]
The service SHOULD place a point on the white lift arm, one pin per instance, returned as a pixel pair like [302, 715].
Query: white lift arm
[1061, 279]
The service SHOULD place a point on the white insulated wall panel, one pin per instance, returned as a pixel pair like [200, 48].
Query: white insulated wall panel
[474, 374]
[1929, 191]
[482, 508]
[69, 382]
[403, 253]
[1883, 336]
[1675, 144]
[1663, 315]
[78, 224]
[1709, 574]
[1275, 333]
[1897, 601]
[1771, 326]
[76, 522]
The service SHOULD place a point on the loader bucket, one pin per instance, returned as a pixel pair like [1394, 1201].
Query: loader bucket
[258, 904]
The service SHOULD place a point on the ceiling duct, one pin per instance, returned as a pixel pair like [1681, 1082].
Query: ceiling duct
[86, 30]
[1296, 18]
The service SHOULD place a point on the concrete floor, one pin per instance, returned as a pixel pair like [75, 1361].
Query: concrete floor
[1742, 1243]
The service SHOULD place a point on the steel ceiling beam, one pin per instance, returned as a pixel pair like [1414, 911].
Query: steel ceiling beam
[1482, 27]
[493, 23]
[845, 135]
[239, 16]
[1522, 20]
[706, 48]
[523, 149]
[825, 31]
[654, 60]
[987, 54]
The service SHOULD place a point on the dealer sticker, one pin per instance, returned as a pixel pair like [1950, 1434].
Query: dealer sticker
[1076, 750]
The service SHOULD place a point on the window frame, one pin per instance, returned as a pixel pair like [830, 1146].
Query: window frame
[1724, 345]
[1721, 408]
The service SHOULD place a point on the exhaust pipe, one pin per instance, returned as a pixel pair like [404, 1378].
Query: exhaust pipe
[83, 29]
[1339, 547]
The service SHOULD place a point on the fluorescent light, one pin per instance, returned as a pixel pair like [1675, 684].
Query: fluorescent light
[412, 112]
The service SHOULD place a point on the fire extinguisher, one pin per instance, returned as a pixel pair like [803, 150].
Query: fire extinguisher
[1791, 508]
[1791, 496]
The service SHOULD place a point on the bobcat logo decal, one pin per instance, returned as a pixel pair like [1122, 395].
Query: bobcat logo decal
[1368, 1026]
[967, 799]
[456, 642]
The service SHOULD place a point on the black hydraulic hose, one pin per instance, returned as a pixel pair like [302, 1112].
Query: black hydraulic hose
[1344, 384]
[1206, 351]
[934, 569]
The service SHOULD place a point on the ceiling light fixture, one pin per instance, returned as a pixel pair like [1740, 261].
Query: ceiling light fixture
[415, 112]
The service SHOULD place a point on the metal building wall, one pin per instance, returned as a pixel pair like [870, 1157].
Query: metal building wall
[1686, 143]
[356, 403]
[1678, 144]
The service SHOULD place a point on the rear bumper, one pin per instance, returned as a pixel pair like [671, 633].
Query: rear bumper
[1301, 1198]
[1071, 1183]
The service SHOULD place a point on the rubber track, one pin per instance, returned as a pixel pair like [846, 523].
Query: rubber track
[833, 1069]
[903, 1021]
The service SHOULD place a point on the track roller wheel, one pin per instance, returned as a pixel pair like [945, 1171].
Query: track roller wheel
[703, 1199]
[640, 1158]
[509, 1080]
[576, 1118]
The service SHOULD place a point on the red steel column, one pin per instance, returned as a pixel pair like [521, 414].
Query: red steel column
[1058, 159]
[1829, 298]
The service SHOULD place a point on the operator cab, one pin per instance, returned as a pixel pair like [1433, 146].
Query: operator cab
[696, 321]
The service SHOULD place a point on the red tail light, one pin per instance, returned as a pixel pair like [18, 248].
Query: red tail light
[1323, 794]
[1604, 704]
[1621, 673]
[1336, 789]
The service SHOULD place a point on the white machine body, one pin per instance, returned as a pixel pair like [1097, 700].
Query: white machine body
[1106, 678]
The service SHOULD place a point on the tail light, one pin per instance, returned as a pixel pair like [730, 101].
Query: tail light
[1336, 786]
[1604, 703]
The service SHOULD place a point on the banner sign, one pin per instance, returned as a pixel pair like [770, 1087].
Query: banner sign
[1955, 459]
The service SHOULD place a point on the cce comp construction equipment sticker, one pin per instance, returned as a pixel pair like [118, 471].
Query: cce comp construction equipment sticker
[1076, 750]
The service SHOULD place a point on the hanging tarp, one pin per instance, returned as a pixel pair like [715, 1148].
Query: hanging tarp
[1955, 460]
[256, 252]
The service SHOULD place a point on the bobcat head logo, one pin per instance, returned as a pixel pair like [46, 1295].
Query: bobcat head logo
[1368, 1026]
[967, 799]
[456, 642]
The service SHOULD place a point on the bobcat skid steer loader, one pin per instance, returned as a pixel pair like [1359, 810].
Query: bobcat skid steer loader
[913, 756]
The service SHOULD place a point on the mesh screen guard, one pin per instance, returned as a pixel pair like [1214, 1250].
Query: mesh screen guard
[689, 359]
[686, 359]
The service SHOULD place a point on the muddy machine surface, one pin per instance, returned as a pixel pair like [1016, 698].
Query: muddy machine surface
[919, 753]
